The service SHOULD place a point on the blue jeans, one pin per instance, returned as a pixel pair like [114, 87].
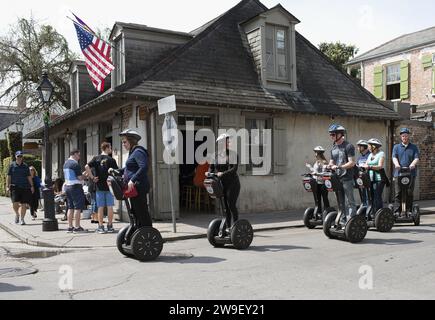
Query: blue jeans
[378, 189]
[105, 199]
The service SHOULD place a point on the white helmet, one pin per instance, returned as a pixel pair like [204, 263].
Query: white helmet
[375, 142]
[130, 133]
[319, 149]
[362, 143]
[223, 136]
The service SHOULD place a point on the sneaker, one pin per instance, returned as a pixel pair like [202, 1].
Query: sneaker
[79, 230]
[70, 230]
[100, 230]
[17, 219]
[110, 228]
[22, 223]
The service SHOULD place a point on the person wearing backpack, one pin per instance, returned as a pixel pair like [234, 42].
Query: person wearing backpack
[343, 161]
[104, 199]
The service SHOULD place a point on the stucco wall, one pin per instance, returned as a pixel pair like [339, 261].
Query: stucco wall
[304, 132]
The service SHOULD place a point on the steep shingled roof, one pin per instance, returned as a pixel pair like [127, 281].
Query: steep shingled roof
[216, 67]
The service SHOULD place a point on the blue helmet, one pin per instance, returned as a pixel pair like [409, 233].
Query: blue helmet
[337, 128]
[405, 130]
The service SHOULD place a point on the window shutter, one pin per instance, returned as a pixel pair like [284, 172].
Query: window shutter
[427, 61]
[378, 83]
[404, 79]
[279, 146]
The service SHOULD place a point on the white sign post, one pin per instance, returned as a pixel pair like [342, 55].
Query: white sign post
[170, 141]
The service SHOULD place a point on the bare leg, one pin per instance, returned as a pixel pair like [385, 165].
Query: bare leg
[77, 216]
[70, 217]
[101, 216]
[110, 215]
[23, 211]
[16, 206]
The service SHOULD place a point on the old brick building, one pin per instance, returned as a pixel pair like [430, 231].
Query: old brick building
[403, 70]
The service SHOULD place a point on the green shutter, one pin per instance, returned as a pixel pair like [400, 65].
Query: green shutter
[404, 79]
[427, 61]
[378, 82]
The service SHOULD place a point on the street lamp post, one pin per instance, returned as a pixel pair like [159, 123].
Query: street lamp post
[45, 90]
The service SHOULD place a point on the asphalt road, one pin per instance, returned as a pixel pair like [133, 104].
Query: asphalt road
[283, 264]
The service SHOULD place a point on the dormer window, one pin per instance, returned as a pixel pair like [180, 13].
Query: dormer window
[272, 40]
[277, 53]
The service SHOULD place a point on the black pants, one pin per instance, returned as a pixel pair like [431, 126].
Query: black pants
[34, 204]
[398, 195]
[322, 193]
[139, 209]
[231, 194]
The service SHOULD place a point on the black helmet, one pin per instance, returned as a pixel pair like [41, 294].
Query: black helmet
[337, 128]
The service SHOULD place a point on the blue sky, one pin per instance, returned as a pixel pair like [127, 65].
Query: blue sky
[366, 24]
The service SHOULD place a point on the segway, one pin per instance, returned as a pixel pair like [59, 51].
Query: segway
[383, 219]
[356, 228]
[409, 215]
[142, 243]
[223, 232]
[314, 217]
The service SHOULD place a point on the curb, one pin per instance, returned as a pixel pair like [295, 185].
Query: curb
[36, 243]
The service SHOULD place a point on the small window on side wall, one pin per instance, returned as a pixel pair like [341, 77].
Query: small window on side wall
[393, 81]
[255, 142]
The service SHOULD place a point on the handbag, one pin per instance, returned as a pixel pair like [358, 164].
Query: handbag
[133, 192]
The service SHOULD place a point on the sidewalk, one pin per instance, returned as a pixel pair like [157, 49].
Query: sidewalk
[190, 226]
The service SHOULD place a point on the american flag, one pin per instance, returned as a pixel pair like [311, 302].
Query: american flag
[97, 56]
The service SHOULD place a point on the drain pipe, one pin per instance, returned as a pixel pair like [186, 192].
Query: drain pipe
[390, 151]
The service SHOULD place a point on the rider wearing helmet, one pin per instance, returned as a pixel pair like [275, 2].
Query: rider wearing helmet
[343, 160]
[375, 165]
[225, 166]
[318, 167]
[405, 155]
[135, 174]
[363, 149]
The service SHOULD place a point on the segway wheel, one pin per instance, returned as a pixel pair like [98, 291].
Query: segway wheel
[147, 244]
[416, 215]
[308, 216]
[384, 220]
[326, 212]
[356, 229]
[242, 235]
[329, 223]
[213, 231]
[120, 240]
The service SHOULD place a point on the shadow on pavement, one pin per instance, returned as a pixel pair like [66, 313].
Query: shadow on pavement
[416, 230]
[390, 242]
[276, 248]
[193, 259]
[6, 287]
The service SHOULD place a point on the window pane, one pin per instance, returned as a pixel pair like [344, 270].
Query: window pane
[270, 55]
[393, 73]
[280, 40]
[282, 66]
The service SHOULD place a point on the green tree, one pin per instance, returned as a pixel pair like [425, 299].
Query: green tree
[25, 51]
[338, 52]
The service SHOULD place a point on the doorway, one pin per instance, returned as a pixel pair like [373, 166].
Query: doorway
[193, 196]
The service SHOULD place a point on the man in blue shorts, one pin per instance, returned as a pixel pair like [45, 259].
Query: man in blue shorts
[101, 164]
[74, 191]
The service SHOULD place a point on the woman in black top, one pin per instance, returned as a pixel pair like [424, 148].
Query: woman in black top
[225, 166]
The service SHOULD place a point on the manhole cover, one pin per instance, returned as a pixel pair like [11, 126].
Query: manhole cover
[35, 254]
[16, 272]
